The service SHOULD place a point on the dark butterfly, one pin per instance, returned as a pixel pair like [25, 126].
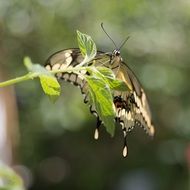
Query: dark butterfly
[131, 106]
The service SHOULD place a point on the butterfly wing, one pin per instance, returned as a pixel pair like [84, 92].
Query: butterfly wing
[70, 58]
[142, 110]
[132, 107]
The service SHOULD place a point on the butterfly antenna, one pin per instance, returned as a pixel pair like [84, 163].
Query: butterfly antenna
[124, 42]
[102, 26]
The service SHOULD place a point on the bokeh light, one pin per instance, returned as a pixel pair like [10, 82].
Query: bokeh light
[51, 145]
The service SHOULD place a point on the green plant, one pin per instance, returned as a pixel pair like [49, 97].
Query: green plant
[101, 81]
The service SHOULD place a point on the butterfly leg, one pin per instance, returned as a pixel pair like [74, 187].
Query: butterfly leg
[96, 133]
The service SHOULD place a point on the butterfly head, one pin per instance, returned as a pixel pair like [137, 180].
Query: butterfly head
[116, 58]
[116, 52]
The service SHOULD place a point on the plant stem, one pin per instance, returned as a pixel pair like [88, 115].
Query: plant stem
[16, 80]
[31, 75]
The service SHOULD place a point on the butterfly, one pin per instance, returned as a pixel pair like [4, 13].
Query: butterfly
[131, 106]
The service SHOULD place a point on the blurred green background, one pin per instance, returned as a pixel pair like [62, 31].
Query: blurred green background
[56, 149]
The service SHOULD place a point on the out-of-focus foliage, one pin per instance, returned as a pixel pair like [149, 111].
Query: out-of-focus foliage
[9, 180]
[56, 142]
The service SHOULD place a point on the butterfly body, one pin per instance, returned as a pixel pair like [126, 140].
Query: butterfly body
[131, 106]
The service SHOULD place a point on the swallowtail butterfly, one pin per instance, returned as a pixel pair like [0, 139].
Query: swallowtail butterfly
[131, 106]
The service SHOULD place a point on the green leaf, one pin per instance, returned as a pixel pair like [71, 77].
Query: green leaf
[50, 86]
[114, 83]
[101, 97]
[109, 77]
[102, 81]
[87, 47]
[48, 82]
[27, 62]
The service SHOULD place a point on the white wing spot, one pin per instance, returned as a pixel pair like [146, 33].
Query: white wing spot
[59, 75]
[151, 132]
[125, 151]
[63, 66]
[56, 66]
[67, 54]
[66, 76]
[68, 60]
[79, 80]
[48, 67]
[129, 115]
[83, 72]
[96, 134]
